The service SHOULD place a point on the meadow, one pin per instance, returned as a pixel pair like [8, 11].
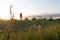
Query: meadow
[31, 30]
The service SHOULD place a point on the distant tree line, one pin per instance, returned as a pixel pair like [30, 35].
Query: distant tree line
[50, 19]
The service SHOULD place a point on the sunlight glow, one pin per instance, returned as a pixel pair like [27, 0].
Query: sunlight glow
[28, 7]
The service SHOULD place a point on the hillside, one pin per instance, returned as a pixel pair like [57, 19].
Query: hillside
[54, 15]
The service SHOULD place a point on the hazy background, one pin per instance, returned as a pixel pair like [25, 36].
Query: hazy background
[29, 7]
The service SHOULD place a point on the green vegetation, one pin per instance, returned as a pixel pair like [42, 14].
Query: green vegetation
[32, 30]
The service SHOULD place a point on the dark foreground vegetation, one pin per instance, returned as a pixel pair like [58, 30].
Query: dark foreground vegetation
[31, 30]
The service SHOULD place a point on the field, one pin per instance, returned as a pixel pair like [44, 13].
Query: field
[31, 30]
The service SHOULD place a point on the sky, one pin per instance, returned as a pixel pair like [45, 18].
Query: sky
[28, 7]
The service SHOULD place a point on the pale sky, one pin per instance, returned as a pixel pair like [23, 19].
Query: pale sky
[28, 7]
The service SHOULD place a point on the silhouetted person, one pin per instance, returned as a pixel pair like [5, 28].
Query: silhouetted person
[21, 16]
